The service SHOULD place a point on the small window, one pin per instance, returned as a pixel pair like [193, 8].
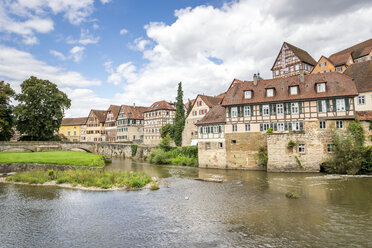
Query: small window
[340, 124]
[286, 70]
[277, 72]
[297, 67]
[361, 100]
[340, 105]
[294, 90]
[233, 142]
[322, 64]
[330, 148]
[339, 69]
[296, 126]
[269, 92]
[207, 146]
[280, 126]
[301, 148]
[321, 87]
[322, 108]
[279, 109]
[234, 112]
[247, 127]
[234, 128]
[295, 108]
[248, 94]
[220, 145]
[247, 111]
[266, 110]
[265, 126]
[215, 129]
[322, 124]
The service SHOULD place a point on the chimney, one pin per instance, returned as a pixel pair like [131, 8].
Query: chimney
[134, 105]
[302, 76]
[255, 79]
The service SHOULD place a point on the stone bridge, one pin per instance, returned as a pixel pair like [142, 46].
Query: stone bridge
[118, 150]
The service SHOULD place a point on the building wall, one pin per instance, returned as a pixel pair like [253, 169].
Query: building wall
[190, 132]
[98, 128]
[328, 67]
[129, 132]
[213, 155]
[72, 133]
[368, 102]
[153, 121]
[83, 133]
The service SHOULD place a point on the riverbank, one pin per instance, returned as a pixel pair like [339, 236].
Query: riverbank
[53, 157]
[84, 179]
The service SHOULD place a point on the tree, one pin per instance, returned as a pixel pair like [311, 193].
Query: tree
[165, 143]
[41, 109]
[179, 120]
[189, 108]
[166, 129]
[6, 110]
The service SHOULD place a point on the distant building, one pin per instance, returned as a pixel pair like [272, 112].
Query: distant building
[95, 130]
[130, 123]
[200, 108]
[110, 123]
[156, 116]
[291, 60]
[71, 128]
[16, 135]
[343, 59]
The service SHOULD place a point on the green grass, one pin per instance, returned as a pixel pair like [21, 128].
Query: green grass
[53, 157]
[84, 177]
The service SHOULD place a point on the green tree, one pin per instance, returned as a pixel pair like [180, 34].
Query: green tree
[165, 143]
[6, 110]
[166, 129]
[189, 108]
[41, 109]
[179, 121]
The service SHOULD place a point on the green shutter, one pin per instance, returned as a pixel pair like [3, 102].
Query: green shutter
[319, 106]
[289, 109]
[328, 107]
[261, 127]
[286, 126]
[201, 130]
[219, 129]
[251, 110]
[270, 109]
[261, 110]
[334, 105]
[229, 112]
[240, 112]
[300, 107]
[285, 108]
[275, 126]
[274, 109]
[290, 126]
[301, 126]
[347, 104]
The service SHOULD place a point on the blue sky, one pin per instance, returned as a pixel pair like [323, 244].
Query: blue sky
[119, 52]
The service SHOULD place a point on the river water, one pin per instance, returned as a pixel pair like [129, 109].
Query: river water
[249, 209]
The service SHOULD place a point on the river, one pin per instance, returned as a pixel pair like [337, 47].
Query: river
[249, 209]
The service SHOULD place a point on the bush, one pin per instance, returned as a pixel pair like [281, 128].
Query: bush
[270, 130]
[165, 143]
[291, 144]
[158, 156]
[261, 156]
[133, 149]
[190, 151]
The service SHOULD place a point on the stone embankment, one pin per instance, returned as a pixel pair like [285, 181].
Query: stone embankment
[18, 167]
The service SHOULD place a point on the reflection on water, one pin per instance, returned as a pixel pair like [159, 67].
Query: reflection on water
[248, 210]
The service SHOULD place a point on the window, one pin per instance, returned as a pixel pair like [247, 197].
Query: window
[296, 126]
[205, 129]
[265, 126]
[322, 64]
[233, 142]
[286, 70]
[294, 90]
[322, 124]
[234, 112]
[330, 148]
[340, 124]
[220, 145]
[322, 106]
[279, 62]
[297, 67]
[301, 148]
[74, 132]
[247, 127]
[280, 126]
[339, 69]
[247, 111]
[68, 133]
[340, 105]
[269, 92]
[320, 87]
[215, 129]
[199, 103]
[207, 146]
[234, 128]
[279, 109]
[361, 100]
[266, 110]
[294, 108]
[248, 94]
[277, 72]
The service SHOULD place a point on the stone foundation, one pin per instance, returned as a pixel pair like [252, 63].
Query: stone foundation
[212, 156]
[6, 168]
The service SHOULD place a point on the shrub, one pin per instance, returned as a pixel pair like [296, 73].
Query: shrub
[292, 195]
[133, 149]
[159, 156]
[291, 144]
[165, 143]
[298, 161]
[270, 130]
[154, 185]
[51, 174]
[190, 151]
[261, 156]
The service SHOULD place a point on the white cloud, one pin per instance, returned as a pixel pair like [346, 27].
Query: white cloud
[207, 47]
[123, 31]
[85, 38]
[77, 53]
[17, 66]
[57, 54]
[105, 1]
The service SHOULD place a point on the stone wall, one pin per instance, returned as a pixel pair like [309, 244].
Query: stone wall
[211, 155]
[242, 149]
[6, 168]
[283, 159]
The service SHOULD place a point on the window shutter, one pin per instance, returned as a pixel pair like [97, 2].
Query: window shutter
[328, 107]
[319, 106]
[285, 126]
[290, 126]
[300, 107]
[229, 112]
[347, 104]
[240, 112]
[275, 127]
[261, 110]
[334, 105]
[201, 130]
[219, 129]
[261, 127]
[289, 108]
[274, 109]
[251, 110]
[270, 109]
[301, 125]
[285, 108]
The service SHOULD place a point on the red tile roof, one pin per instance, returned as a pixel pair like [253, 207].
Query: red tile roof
[364, 115]
[361, 73]
[302, 54]
[74, 121]
[115, 110]
[100, 114]
[356, 51]
[215, 115]
[339, 59]
[188, 102]
[337, 85]
[210, 100]
[133, 112]
[161, 105]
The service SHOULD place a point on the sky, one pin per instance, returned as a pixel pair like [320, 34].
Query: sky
[102, 52]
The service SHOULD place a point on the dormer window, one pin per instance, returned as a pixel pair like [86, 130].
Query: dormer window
[323, 64]
[320, 87]
[293, 90]
[248, 94]
[269, 92]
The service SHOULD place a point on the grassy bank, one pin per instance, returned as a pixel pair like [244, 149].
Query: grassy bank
[53, 157]
[84, 178]
[184, 156]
